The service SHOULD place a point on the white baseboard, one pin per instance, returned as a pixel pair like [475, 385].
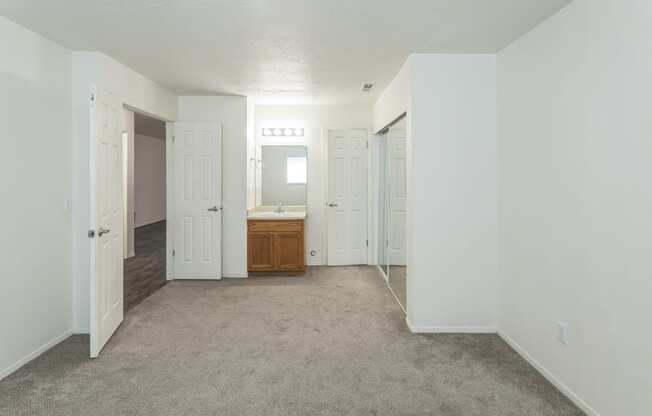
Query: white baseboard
[418, 329]
[566, 391]
[235, 275]
[29, 357]
[81, 331]
[315, 263]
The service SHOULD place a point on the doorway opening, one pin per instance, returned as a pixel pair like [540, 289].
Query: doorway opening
[144, 162]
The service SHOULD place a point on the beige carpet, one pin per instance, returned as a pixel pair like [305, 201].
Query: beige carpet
[330, 343]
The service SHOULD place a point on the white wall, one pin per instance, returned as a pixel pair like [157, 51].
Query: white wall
[149, 179]
[575, 128]
[394, 101]
[315, 120]
[452, 193]
[132, 89]
[251, 154]
[35, 183]
[231, 113]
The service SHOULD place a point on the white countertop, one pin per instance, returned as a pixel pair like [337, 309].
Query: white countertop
[268, 213]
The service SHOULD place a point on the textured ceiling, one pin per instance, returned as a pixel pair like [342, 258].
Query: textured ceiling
[279, 51]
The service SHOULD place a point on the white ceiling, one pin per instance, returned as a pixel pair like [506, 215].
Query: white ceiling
[279, 51]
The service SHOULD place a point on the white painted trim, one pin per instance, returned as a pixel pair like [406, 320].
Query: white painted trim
[81, 331]
[93, 330]
[391, 291]
[169, 201]
[417, 329]
[370, 200]
[324, 187]
[315, 263]
[565, 390]
[382, 272]
[235, 276]
[32, 355]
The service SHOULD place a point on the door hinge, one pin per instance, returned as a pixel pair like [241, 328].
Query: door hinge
[367, 144]
[367, 243]
[91, 233]
[173, 253]
[173, 138]
[92, 96]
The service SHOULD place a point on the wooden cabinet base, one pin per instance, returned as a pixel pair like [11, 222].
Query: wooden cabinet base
[275, 246]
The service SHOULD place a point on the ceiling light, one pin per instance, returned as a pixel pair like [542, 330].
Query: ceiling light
[284, 132]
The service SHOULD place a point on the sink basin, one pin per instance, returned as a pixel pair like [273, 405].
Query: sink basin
[272, 215]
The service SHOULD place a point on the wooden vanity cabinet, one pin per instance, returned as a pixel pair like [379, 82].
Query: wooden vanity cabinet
[275, 246]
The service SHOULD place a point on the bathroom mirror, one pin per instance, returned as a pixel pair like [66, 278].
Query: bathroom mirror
[283, 174]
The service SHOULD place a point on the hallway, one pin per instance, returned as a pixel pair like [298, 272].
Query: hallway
[144, 273]
[330, 343]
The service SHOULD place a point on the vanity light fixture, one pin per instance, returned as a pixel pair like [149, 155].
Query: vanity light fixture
[283, 132]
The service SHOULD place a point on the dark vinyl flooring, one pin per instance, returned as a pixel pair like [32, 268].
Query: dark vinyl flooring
[144, 273]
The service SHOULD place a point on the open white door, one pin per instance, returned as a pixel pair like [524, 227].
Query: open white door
[197, 201]
[347, 197]
[106, 219]
[397, 195]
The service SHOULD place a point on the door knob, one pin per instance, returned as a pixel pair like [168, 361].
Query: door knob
[214, 209]
[102, 231]
[333, 204]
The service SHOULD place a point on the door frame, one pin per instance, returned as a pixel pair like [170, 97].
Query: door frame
[325, 178]
[129, 128]
[169, 200]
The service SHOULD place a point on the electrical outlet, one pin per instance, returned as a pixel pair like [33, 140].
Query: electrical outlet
[562, 333]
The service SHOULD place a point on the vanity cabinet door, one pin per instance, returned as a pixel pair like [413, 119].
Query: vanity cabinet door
[289, 251]
[262, 251]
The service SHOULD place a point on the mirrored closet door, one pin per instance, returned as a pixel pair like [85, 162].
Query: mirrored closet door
[392, 207]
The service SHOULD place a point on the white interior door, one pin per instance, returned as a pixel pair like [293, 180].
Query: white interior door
[347, 197]
[106, 219]
[397, 195]
[198, 201]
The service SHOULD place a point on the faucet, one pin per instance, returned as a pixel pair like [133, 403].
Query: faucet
[279, 207]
